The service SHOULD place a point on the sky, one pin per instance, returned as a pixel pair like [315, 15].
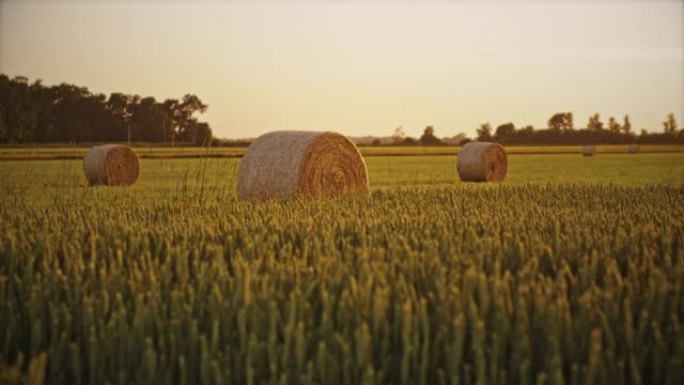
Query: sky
[363, 68]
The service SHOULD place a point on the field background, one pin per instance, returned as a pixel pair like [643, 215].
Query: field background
[571, 271]
[219, 175]
[157, 151]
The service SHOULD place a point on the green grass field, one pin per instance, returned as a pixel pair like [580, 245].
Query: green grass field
[42, 152]
[219, 174]
[571, 271]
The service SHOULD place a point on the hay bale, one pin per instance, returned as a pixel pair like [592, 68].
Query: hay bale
[589, 150]
[111, 164]
[482, 162]
[286, 163]
[633, 149]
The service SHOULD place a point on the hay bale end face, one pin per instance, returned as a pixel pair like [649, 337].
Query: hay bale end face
[589, 150]
[111, 164]
[288, 163]
[482, 162]
[633, 149]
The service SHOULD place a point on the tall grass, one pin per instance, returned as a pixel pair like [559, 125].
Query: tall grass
[458, 284]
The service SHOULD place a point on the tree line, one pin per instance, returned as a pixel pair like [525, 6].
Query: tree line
[561, 130]
[32, 112]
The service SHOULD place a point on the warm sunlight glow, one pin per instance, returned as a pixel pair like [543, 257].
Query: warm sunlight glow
[363, 69]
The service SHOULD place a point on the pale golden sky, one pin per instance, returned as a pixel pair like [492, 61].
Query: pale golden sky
[363, 68]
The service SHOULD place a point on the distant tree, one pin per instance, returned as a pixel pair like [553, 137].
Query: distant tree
[409, 141]
[147, 121]
[523, 135]
[96, 118]
[67, 113]
[3, 129]
[398, 135]
[376, 142]
[20, 114]
[456, 139]
[484, 133]
[595, 123]
[428, 137]
[504, 130]
[203, 134]
[5, 89]
[556, 122]
[185, 109]
[613, 125]
[172, 119]
[460, 137]
[561, 121]
[20, 79]
[627, 126]
[118, 106]
[670, 125]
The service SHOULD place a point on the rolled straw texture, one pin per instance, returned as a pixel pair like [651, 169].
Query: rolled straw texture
[111, 164]
[482, 162]
[288, 163]
[589, 150]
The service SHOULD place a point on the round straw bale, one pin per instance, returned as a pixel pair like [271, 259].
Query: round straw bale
[633, 149]
[589, 150]
[111, 164]
[285, 163]
[482, 162]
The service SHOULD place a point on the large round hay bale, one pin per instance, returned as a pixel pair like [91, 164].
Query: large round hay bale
[111, 164]
[482, 162]
[589, 150]
[633, 149]
[286, 163]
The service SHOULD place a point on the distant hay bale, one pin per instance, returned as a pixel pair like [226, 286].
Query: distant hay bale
[482, 162]
[287, 163]
[589, 150]
[111, 164]
[633, 149]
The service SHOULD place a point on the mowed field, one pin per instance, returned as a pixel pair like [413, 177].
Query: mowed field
[42, 152]
[571, 271]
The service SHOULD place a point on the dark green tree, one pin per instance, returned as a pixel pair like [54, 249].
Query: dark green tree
[504, 131]
[561, 121]
[484, 132]
[119, 107]
[68, 113]
[595, 123]
[613, 125]
[670, 125]
[203, 135]
[428, 137]
[627, 126]
[186, 108]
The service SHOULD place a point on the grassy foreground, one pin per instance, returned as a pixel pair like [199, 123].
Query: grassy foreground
[569, 272]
